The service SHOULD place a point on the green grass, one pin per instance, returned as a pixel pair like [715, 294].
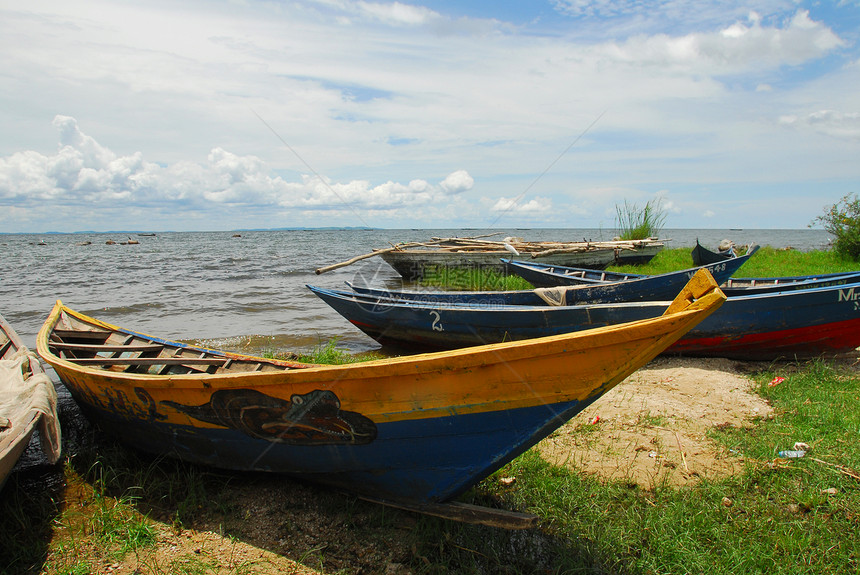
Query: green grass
[767, 262]
[326, 353]
[329, 354]
[786, 516]
[471, 279]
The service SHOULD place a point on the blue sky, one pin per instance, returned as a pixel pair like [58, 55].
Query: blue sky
[222, 115]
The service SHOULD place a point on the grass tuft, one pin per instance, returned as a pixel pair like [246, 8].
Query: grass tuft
[635, 223]
[472, 279]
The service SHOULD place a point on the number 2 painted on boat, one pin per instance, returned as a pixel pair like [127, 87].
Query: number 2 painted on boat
[436, 325]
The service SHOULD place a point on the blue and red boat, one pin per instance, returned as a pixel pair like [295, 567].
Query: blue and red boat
[733, 287]
[799, 323]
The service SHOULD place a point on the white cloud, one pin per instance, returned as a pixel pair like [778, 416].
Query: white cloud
[83, 171]
[402, 106]
[841, 125]
[397, 13]
[457, 182]
[737, 48]
[534, 206]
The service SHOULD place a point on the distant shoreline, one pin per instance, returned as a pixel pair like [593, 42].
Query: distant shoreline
[365, 228]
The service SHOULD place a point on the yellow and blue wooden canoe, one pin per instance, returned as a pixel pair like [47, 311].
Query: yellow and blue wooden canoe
[415, 429]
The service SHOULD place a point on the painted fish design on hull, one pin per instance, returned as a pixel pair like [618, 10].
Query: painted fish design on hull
[314, 418]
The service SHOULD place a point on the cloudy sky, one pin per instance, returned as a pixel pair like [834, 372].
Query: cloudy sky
[221, 115]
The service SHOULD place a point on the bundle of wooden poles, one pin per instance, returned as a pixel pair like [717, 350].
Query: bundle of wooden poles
[514, 246]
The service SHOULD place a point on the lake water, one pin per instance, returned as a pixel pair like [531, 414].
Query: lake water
[243, 293]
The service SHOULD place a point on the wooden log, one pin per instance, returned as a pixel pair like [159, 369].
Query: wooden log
[352, 260]
[365, 256]
[397, 247]
[577, 249]
[466, 513]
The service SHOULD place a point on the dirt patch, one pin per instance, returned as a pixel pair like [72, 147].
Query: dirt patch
[652, 428]
[261, 525]
[193, 551]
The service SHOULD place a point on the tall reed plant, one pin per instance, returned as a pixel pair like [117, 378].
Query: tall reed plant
[635, 223]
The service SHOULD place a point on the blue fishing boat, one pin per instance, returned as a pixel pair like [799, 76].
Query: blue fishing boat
[732, 287]
[552, 275]
[595, 288]
[644, 288]
[703, 256]
[799, 323]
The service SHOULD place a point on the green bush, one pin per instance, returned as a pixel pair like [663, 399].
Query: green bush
[842, 220]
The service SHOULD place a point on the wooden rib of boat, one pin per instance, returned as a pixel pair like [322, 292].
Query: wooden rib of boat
[415, 430]
[28, 401]
[795, 323]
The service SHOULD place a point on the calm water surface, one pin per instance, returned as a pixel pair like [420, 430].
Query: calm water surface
[240, 293]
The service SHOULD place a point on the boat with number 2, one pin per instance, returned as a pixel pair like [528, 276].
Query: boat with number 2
[808, 319]
[414, 431]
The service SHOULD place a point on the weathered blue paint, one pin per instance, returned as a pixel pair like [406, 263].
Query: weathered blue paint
[793, 323]
[642, 288]
[421, 460]
[545, 275]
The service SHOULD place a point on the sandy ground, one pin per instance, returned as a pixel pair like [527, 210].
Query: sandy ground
[652, 428]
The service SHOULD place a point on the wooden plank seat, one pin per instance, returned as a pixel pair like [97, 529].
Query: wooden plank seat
[209, 361]
[83, 348]
[99, 336]
[106, 347]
